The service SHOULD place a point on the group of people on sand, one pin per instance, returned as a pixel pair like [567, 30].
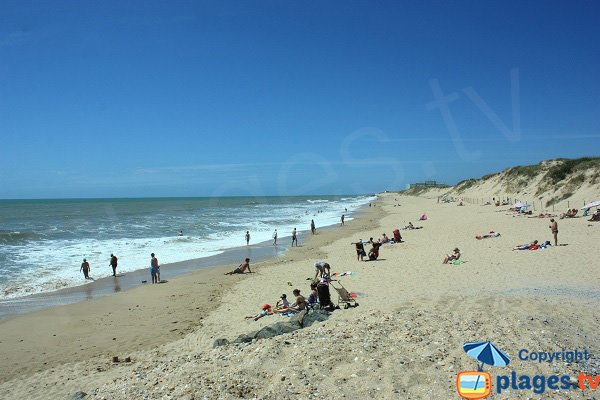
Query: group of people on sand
[283, 305]
[373, 252]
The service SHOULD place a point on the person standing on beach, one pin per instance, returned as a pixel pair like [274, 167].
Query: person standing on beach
[154, 269]
[342, 219]
[360, 250]
[554, 228]
[294, 238]
[247, 238]
[275, 238]
[313, 229]
[85, 267]
[113, 264]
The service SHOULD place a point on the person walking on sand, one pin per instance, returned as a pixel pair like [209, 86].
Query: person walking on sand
[247, 238]
[275, 238]
[294, 238]
[154, 269]
[554, 228]
[113, 263]
[313, 229]
[342, 219]
[85, 267]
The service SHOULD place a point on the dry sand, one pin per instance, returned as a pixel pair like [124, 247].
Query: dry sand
[404, 340]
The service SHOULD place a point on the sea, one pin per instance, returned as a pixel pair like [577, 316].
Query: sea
[43, 242]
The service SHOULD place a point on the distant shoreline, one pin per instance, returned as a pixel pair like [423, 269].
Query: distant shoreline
[107, 286]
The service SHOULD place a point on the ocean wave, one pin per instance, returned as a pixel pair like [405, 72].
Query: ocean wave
[12, 238]
[318, 201]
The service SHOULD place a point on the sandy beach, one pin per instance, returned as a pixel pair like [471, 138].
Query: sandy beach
[403, 341]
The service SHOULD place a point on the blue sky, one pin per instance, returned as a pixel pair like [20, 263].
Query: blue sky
[212, 98]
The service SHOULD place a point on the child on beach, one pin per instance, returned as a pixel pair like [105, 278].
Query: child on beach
[266, 310]
[283, 302]
[313, 297]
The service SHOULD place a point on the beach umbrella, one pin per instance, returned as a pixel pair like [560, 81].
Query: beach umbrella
[486, 353]
[590, 205]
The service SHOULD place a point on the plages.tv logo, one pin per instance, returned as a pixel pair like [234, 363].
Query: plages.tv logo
[478, 384]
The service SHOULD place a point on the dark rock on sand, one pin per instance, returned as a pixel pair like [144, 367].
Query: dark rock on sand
[301, 320]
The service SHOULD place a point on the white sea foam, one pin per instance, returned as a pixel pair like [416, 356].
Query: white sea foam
[45, 265]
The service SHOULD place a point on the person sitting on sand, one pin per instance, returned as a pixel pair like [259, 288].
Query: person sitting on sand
[266, 310]
[282, 303]
[360, 250]
[526, 246]
[241, 268]
[322, 269]
[423, 217]
[596, 216]
[570, 213]
[313, 297]
[451, 257]
[299, 304]
[385, 238]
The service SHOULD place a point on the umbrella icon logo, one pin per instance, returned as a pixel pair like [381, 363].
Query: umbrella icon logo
[478, 384]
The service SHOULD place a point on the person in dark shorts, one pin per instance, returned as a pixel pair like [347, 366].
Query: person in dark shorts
[360, 250]
[85, 267]
[247, 238]
[294, 238]
[241, 268]
[113, 264]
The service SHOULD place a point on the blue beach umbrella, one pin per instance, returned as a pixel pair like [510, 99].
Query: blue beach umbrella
[486, 353]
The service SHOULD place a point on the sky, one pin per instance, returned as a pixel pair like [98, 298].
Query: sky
[219, 98]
